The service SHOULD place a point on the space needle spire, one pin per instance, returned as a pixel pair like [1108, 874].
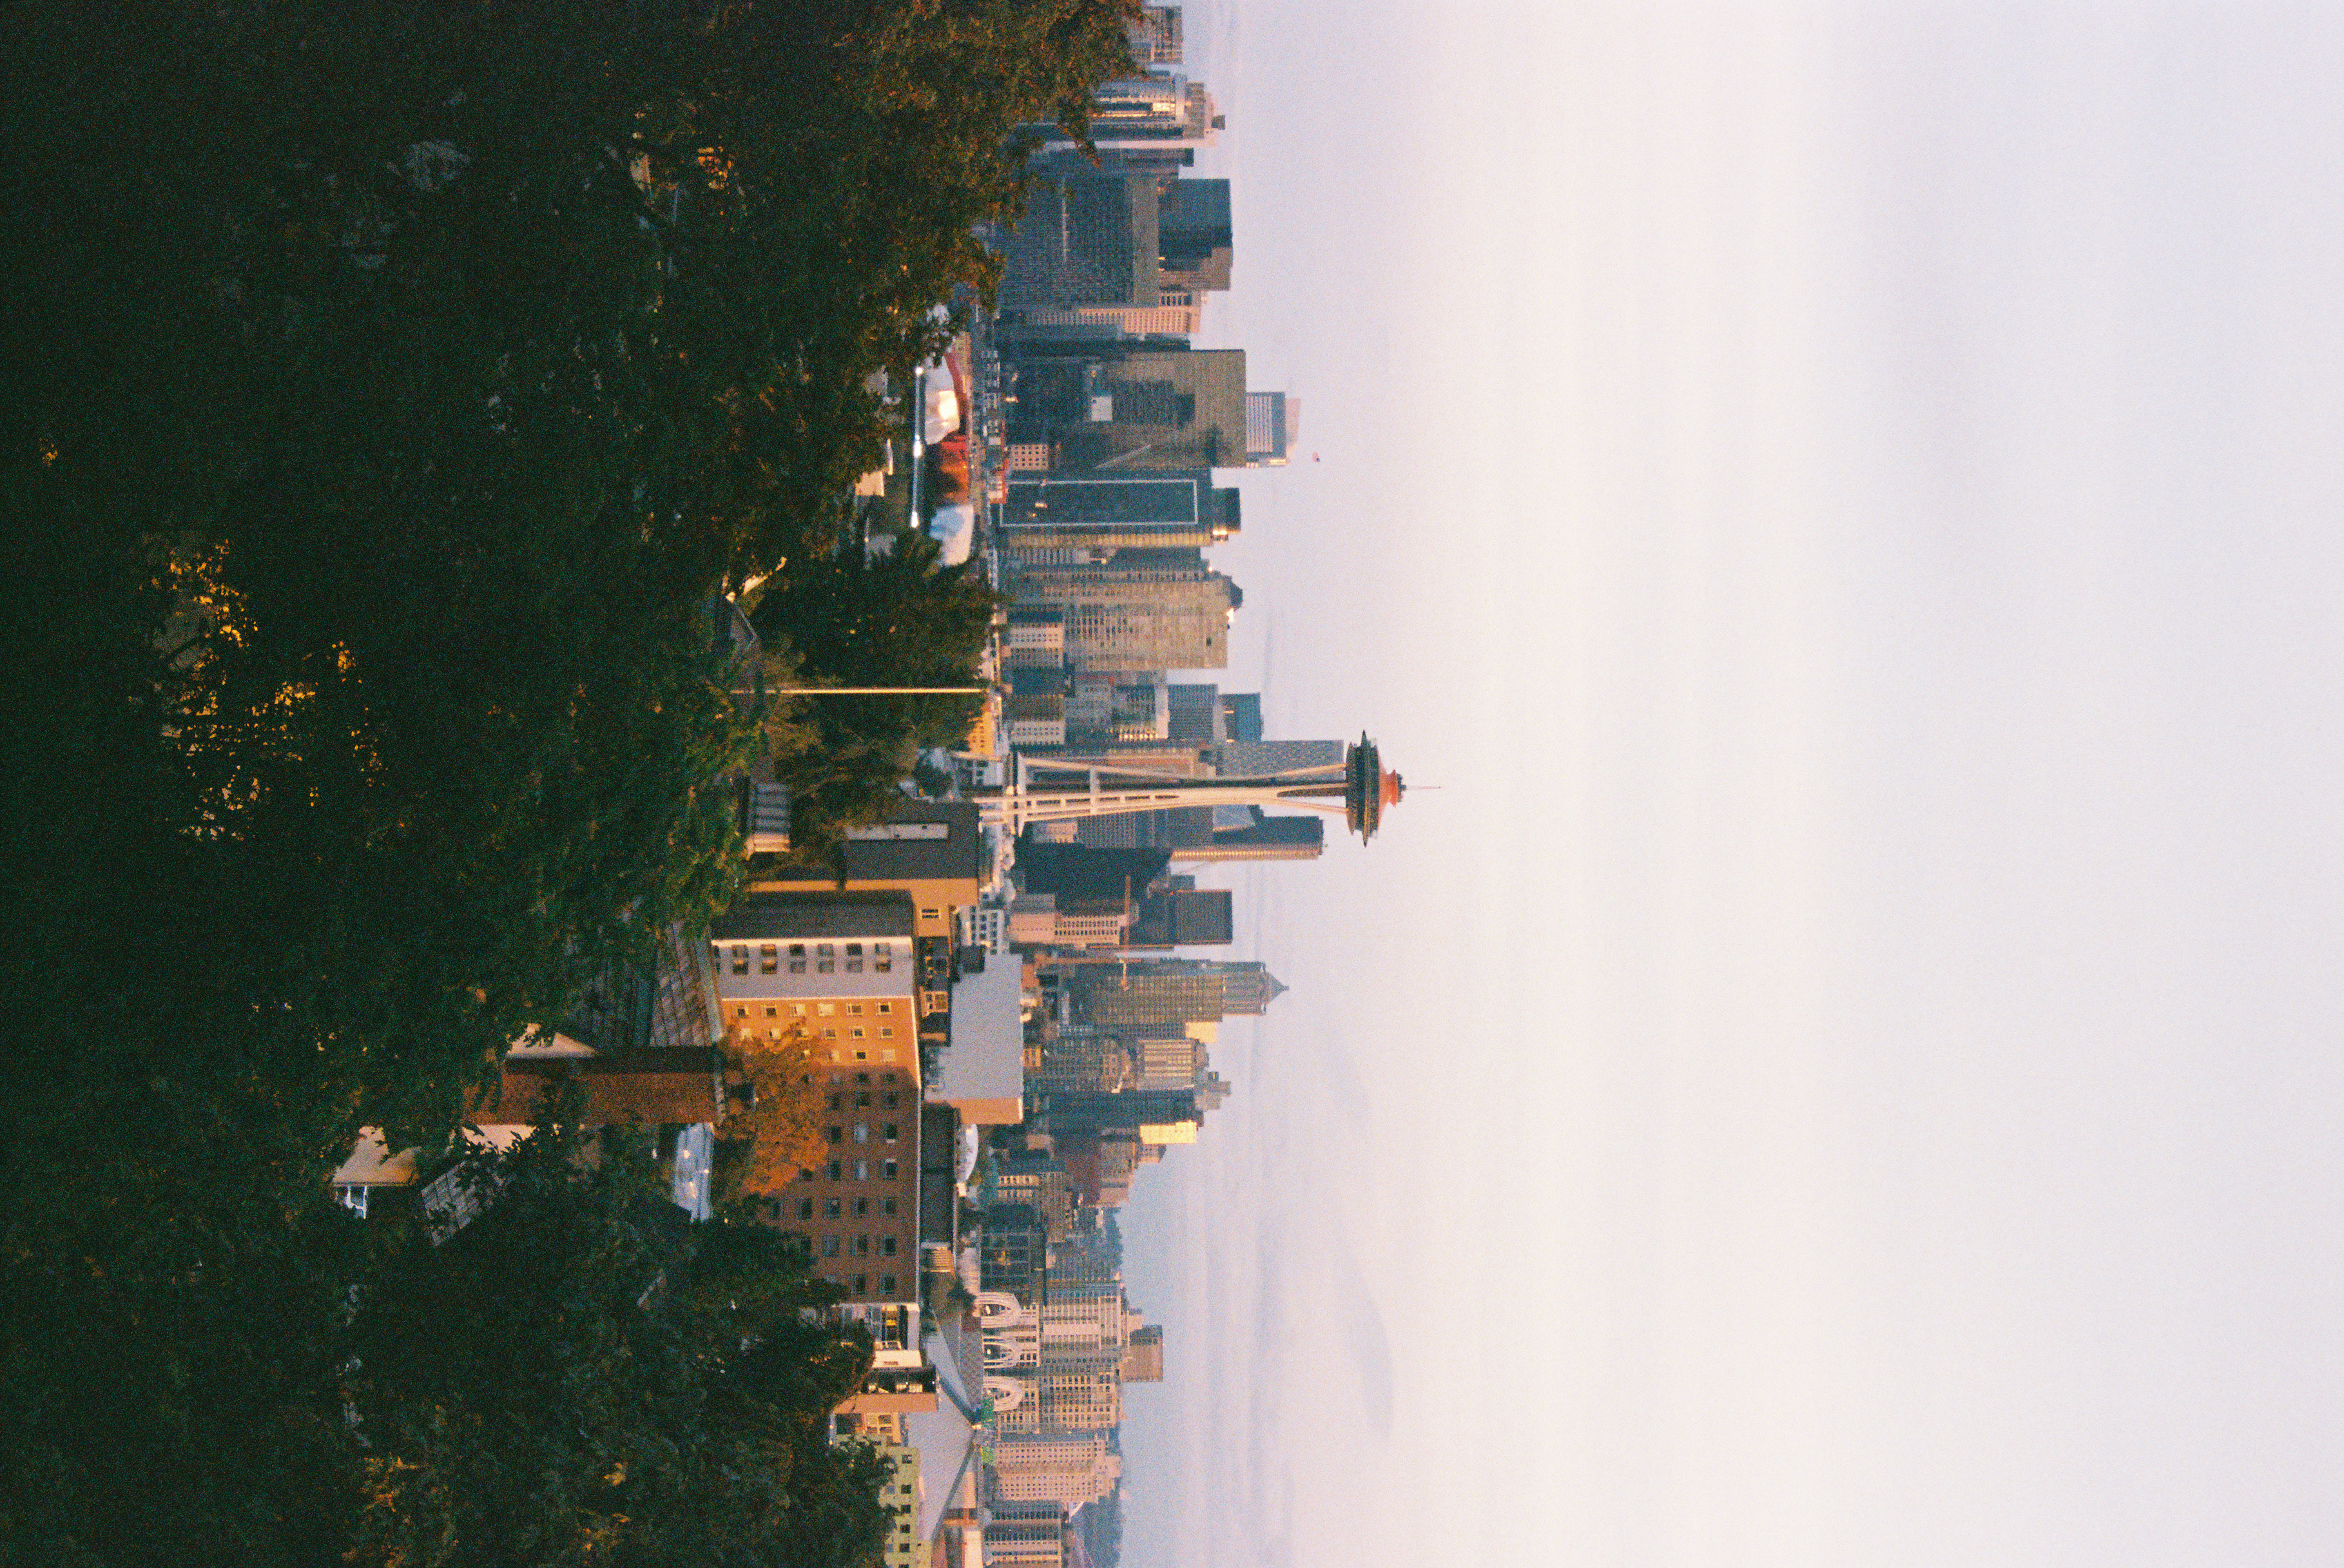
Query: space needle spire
[1068, 790]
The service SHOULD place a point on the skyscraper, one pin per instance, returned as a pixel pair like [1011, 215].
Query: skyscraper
[1138, 407]
[1141, 610]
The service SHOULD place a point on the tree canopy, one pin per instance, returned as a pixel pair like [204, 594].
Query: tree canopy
[392, 392]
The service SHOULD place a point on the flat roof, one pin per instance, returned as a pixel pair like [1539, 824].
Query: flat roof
[799, 916]
[987, 1058]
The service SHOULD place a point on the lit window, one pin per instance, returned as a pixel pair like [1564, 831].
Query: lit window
[825, 1009]
[863, 1170]
[769, 959]
[862, 1132]
[741, 960]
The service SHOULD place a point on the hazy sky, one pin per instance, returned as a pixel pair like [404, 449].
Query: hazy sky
[1849, 504]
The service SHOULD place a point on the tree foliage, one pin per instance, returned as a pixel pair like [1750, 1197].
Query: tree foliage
[778, 1133]
[852, 618]
[392, 388]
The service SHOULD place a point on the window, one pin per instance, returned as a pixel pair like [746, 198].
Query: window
[824, 960]
[773, 1033]
[352, 1198]
[835, 1135]
[855, 1033]
[741, 960]
[853, 1009]
[891, 1132]
[805, 1206]
[797, 958]
[862, 1098]
[829, 1208]
[886, 1007]
[769, 959]
[886, 1206]
[888, 1169]
[830, 1246]
[882, 960]
[825, 1009]
[862, 1284]
[887, 1031]
[834, 1170]
[889, 1078]
[886, 1246]
[931, 915]
[863, 1170]
[805, 1175]
[863, 1246]
[854, 958]
[891, 1097]
[862, 1132]
[861, 1207]
[861, 1056]
[797, 1009]
[740, 1012]
[837, 1102]
[862, 1078]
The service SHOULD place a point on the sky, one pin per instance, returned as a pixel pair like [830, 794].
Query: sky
[1844, 503]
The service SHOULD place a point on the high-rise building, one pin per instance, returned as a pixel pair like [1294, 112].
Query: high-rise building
[1166, 995]
[1167, 109]
[1133, 407]
[1143, 1358]
[1156, 35]
[1096, 513]
[1251, 758]
[1241, 715]
[1070, 1470]
[1143, 609]
[1184, 918]
[1273, 423]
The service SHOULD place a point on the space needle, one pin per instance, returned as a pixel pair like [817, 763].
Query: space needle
[1070, 789]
